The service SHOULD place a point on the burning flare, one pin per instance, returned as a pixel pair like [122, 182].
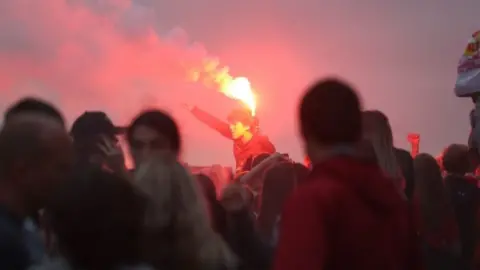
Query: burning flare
[238, 88]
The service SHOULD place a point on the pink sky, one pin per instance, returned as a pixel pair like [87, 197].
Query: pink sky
[401, 55]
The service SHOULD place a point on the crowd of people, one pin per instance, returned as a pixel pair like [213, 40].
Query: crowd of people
[67, 200]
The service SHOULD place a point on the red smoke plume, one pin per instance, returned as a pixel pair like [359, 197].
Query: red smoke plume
[92, 55]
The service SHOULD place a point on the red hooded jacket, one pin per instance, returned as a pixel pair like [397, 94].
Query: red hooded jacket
[259, 144]
[347, 215]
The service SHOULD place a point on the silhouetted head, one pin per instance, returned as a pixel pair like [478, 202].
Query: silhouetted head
[35, 157]
[330, 115]
[377, 131]
[88, 131]
[33, 106]
[456, 159]
[429, 189]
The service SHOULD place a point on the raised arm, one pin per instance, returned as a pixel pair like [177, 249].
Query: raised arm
[222, 127]
[414, 140]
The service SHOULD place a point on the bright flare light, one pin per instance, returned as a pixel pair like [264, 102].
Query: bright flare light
[240, 89]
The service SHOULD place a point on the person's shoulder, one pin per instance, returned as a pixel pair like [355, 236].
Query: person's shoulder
[323, 182]
[314, 198]
[259, 135]
[266, 144]
[262, 137]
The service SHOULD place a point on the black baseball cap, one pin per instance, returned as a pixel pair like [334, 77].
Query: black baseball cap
[92, 124]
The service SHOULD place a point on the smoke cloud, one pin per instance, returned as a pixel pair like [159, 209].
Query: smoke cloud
[91, 55]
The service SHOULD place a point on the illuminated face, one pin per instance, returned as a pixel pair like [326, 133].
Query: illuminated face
[238, 130]
[147, 142]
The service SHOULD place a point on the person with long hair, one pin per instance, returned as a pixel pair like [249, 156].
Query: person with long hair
[435, 215]
[377, 131]
[217, 214]
[279, 183]
[153, 132]
[104, 231]
[179, 233]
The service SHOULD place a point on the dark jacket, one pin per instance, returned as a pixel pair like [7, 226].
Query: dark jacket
[347, 215]
[13, 249]
[464, 198]
[259, 144]
[405, 161]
